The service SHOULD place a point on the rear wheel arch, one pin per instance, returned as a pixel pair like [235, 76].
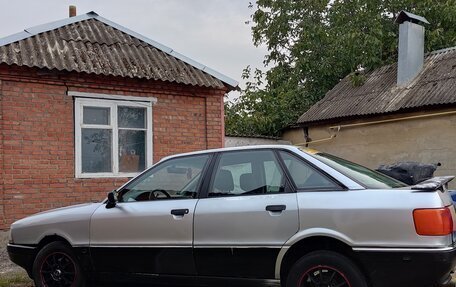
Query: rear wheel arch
[316, 243]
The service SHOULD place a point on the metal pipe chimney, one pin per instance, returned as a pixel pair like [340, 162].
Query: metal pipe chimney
[72, 11]
[411, 47]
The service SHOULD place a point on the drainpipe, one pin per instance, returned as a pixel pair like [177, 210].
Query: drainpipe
[334, 130]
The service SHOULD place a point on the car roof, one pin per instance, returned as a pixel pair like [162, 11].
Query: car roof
[295, 149]
[241, 148]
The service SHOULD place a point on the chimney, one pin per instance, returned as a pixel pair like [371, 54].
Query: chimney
[411, 47]
[72, 11]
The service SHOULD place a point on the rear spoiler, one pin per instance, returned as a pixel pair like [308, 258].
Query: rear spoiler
[433, 184]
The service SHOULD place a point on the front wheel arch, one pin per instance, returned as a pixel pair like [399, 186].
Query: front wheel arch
[43, 242]
[51, 238]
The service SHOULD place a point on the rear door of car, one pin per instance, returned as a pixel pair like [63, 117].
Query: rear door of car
[150, 230]
[248, 212]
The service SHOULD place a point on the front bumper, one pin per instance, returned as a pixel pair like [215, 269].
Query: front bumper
[23, 256]
[399, 268]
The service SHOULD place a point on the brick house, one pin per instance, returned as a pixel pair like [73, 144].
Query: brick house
[86, 103]
[404, 111]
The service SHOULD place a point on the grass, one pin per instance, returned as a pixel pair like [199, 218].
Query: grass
[15, 279]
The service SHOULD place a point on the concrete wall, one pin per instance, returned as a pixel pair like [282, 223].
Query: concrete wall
[426, 140]
[246, 141]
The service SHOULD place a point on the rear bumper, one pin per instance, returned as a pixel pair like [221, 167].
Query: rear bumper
[399, 268]
[22, 256]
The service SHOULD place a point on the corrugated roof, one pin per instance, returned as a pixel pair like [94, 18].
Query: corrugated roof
[92, 44]
[435, 85]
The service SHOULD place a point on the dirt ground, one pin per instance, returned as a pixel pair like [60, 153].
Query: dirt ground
[11, 275]
[6, 266]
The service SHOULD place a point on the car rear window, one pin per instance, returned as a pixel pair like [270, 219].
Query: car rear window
[367, 177]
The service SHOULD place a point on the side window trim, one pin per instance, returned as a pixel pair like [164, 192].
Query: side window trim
[289, 183]
[317, 169]
[207, 172]
[209, 176]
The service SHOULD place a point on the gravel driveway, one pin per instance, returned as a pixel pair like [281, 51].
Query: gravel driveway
[11, 275]
[6, 266]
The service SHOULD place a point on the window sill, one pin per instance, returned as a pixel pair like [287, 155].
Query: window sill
[108, 175]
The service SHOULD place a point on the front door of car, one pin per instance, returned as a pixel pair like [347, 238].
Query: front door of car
[248, 213]
[150, 230]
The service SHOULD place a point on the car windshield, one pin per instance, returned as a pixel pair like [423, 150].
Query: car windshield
[363, 175]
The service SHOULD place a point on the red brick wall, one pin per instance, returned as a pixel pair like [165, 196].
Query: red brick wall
[37, 133]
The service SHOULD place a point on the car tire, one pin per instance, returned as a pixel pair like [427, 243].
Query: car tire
[325, 268]
[57, 265]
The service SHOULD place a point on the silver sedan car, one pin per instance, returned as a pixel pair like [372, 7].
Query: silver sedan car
[274, 215]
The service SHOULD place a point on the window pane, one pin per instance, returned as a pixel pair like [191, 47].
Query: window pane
[132, 150]
[96, 116]
[367, 177]
[129, 117]
[247, 173]
[96, 147]
[176, 179]
[273, 176]
[304, 176]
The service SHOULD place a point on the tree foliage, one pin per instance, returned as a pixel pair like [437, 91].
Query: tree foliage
[312, 44]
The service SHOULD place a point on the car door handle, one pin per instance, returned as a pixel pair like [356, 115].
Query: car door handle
[276, 208]
[179, 212]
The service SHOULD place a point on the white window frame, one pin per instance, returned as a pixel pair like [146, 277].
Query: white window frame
[111, 101]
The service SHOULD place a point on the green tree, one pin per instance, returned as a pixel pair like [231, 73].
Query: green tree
[312, 44]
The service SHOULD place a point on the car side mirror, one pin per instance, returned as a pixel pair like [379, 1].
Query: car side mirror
[111, 200]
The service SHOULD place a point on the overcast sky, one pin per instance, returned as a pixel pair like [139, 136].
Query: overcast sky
[212, 32]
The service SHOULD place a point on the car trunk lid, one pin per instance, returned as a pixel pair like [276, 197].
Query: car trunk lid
[440, 183]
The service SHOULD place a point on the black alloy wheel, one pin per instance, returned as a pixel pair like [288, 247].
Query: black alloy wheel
[57, 266]
[323, 276]
[58, 270]
[325, 268]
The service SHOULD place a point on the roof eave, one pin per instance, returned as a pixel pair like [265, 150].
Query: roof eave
[348, 118]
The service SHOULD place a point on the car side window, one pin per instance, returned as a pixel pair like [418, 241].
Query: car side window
[247, 173]
[304, 175]
[174, 179]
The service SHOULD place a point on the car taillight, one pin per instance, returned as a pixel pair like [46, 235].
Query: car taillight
[433, 222]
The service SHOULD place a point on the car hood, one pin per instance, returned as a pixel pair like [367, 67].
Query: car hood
[71, 223]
